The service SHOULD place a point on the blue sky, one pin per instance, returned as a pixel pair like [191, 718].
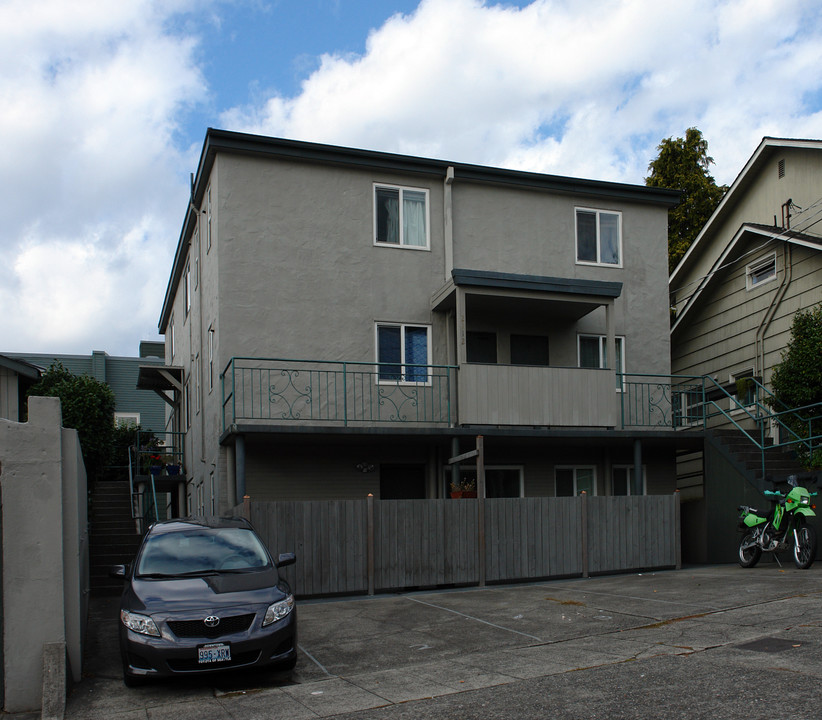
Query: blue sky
[105, 106]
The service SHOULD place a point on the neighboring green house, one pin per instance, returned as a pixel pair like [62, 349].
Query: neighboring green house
[120, 373]
[341, 322]
[757, 261]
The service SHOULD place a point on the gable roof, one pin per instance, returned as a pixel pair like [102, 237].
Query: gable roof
[702, 244]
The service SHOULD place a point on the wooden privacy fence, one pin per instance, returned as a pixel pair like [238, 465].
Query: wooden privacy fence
[370, 545]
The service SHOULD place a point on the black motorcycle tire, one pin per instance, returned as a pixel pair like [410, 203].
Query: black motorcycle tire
[804, 553]
[748, 557]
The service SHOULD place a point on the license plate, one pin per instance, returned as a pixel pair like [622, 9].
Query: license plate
[213, 652]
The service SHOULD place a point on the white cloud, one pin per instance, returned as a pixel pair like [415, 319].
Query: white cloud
[585, 89]
[95, 171]
[88, 100]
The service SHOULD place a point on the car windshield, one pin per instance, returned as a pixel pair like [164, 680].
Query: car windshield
[202, 550]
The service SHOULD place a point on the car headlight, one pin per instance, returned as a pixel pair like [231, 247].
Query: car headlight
[806, 500]
[278, 610]
[139, 623]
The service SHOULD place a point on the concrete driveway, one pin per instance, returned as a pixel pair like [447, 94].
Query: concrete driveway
[708, 641]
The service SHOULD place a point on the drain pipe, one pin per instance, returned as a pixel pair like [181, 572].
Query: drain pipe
[759, 348]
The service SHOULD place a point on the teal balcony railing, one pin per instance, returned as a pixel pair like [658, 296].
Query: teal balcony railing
[335, 393]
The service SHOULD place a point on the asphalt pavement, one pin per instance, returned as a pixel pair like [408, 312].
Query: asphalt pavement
[702, 642]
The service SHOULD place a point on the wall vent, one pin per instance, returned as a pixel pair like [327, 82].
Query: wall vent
[781, 168]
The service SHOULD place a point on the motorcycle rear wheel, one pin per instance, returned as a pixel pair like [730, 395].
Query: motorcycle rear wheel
[749, 553]
[804, 552]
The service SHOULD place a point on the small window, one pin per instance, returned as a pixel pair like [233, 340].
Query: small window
[403, 353]
[745, 390]
[125, 419]
[593, 352]
[529, 350]
[599, 237]
[401, 217]
[571, 481]
[211, 358]
[208, 219]
[481, 347]
[188, 287]
[760, 272]
[171, 347]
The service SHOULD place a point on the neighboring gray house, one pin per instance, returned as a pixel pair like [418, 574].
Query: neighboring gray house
[341, 322]
[757, 261]
[120, 374]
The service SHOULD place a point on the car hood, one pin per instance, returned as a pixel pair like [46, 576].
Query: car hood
[211, 591]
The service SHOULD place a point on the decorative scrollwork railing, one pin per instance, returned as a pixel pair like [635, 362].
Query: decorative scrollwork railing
[335, 392]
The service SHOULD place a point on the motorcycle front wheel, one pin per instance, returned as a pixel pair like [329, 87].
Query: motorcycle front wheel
[804, 551]
[749, 551]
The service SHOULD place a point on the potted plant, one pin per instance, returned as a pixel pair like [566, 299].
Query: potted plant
[465, 488]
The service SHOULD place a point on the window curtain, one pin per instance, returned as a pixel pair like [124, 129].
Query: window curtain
[413, 218]
[609, 238]
[416, 353]
[388, 215]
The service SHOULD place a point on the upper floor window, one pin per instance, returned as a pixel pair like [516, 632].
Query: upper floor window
[593, 353]
[760, 272]
[403, 353]
[599, 237]
[400, 216]
[188, 287]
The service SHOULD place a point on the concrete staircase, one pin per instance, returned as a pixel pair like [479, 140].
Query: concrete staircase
[779, 462]
[113, 536]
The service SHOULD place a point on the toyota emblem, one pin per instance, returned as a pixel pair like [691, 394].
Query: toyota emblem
[211, 621]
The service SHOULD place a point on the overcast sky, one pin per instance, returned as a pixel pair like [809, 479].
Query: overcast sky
[104, 106]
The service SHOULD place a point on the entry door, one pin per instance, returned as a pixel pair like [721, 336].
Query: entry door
[402, 482]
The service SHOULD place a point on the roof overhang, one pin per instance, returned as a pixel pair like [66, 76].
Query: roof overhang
[160, 378]
[20, 367]
[570, 297]
[763, 152]
[746, 232]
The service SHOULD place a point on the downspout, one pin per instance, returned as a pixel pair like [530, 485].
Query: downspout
[767, 318]
[448, 222]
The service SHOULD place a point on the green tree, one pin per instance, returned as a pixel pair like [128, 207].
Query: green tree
[683, 164]
[797, 382]
[88, 407]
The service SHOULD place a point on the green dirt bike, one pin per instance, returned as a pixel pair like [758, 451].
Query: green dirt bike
[785, 528]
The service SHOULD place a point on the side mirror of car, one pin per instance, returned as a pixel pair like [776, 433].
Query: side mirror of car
[117, 571]
[286, 559]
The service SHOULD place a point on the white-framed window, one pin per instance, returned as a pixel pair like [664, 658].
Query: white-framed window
[501, 481]
[187, 403]
[572, 480]
[688, 406]
[592, 351]
[622, 480]
[208, 218]
[211, 358]
[126, 419]
[401, 217]
[171, 336]
[188, 287]
[198, 368]
[403, 353]
[760, 272]
[598, 237]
